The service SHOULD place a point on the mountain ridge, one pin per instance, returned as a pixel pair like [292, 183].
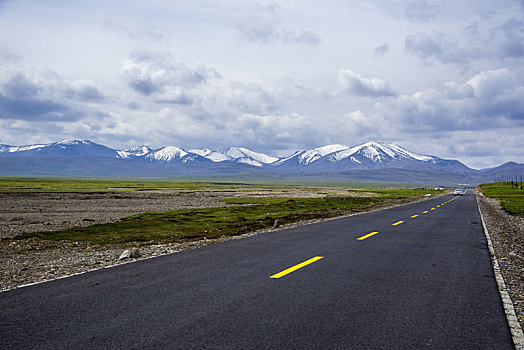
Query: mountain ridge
[387, 162]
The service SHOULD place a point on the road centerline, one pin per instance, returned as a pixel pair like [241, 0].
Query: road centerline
[366, 236]
[296, 267]
[397, 223]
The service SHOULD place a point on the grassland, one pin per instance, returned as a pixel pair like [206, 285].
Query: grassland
[511, 198]
[103, 185]
[242, 215]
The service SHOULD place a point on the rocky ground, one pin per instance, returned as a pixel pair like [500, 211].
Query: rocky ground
[507, 233]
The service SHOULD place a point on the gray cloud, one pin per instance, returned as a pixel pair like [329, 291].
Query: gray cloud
[176, 96]
[46, 97]
[30, 109]
[425, 45]
[266, 33]
[436, 46]
[357, 85]
[85, 93]
[506, 41]
[302, 37]
[20, 100]
[250, 98]
[267, 28]
[18, 86]
[6, 55]
[421, 11]
[159, 74]
[490, 99]
[381, 50]
[511, 34]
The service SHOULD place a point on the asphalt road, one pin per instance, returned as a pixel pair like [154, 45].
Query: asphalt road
[424, 283]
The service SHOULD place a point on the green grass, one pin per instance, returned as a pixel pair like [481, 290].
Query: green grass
[246, 214]
[103, 185]
[193, 224]
[512, 199]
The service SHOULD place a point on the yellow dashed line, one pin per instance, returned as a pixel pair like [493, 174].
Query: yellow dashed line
[366, 236]
[425, 212]
[296, 267]
[414, 216]
[397, 223]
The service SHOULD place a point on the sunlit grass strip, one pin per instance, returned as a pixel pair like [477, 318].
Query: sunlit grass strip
[251, 214]
[194, 224]
[511, 198]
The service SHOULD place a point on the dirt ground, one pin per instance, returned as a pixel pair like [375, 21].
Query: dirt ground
[32, 212]
[36, 260]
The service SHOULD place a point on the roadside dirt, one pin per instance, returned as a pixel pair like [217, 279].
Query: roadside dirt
[507, 234]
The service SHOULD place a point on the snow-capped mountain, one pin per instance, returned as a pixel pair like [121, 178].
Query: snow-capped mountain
[177, 154]
[389, 162]
[65, 148]
[369, 155]
[166, 154]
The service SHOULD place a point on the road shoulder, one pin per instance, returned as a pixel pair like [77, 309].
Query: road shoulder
[506, 245]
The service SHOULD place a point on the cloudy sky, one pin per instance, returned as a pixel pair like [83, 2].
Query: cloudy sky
[438, 77]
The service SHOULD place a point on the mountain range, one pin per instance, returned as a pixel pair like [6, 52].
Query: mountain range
[370, 161]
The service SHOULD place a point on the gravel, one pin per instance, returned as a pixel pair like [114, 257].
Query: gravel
[507, 233]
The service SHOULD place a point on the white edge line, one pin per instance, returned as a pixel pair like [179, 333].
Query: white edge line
[254, 233]
[511, 317]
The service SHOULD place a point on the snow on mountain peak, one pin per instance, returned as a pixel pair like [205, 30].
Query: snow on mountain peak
[201, 152]
[70, 142]
[213, 156]
[309, 156]
[11, 149]
[167, 153]
[377, 152]
[244, 155]
[137, 151]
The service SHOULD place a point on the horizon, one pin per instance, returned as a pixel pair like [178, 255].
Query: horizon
[437, 77]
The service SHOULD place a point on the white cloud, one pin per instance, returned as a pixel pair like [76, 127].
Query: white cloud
[355, 84]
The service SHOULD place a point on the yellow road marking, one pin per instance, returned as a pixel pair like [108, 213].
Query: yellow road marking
[296, 267]
[433, 208]
[414, 216]
[438, 206]
[366, 236]
[425, 212]
[397, 223]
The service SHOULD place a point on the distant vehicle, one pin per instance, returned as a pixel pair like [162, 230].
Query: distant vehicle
[458, 192]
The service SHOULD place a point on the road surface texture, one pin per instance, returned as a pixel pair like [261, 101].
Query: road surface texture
[424, 280]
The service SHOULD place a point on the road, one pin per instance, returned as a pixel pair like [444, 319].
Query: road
[424, 280]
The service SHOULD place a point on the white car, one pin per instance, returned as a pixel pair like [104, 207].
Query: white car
[458, 192]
